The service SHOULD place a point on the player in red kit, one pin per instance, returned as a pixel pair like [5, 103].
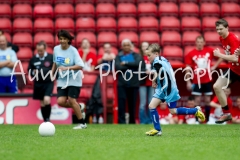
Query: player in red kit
[230, 44]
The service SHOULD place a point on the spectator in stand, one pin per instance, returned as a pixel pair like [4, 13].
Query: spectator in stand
[236, 112]
[10, 45]
[107, 57]
[188, 119]
[200, 59]
[216, 109]
[165, 117]
[89, 58]
[7, 60]
[127, 86]
[146, 89]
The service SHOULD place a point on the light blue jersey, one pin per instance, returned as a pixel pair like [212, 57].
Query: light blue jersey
[166, 83]
[69, 57]
[7, 54]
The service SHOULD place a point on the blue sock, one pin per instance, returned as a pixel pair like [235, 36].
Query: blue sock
[183, 110]
[155, 119]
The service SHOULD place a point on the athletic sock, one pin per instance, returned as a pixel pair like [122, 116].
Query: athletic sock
[207, 112]
[43, 111]
[81, 121]
[48, 109]
[226, 109]
[155, 119]
[185, 111]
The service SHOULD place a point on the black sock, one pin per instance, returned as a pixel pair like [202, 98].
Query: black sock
[207, 112]
[48, 109]
[82, 121]
[43, 110]
[225, 108]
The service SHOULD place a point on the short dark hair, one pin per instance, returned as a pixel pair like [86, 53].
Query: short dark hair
[221, 22]
[200, 37]
[42, 43]
[191, 98]
[66, 34]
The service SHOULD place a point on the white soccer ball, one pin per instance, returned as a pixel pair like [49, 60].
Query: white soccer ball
[46, 129]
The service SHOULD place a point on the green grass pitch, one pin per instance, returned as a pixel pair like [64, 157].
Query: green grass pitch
[121, 142]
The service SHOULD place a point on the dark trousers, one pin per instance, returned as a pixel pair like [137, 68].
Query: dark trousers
[129, 95]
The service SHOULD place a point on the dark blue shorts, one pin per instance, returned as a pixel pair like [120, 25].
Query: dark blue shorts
[6, 86]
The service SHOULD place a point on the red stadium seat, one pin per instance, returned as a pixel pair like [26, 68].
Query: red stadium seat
[22, 25]
[86, 93]
[148, 24]
[88, 35]
[151, 1]
[193, 1]
[105, 1]
[64, 23]
[85, 24]
[191, 23]
[101, 51]
[233, 23]
[63, 1]
[149, 36]
[5, 11]
[106, 24]
[189, 37]
[43, 2]
[24, 67]
[8, 36]
[22, 10]
[209, 9]
[212, 38]
[43, 11]
[22, 39]
[22, 1]
[89, 79]
[187, 49]
[188, 9]
[223, 1]
[64, 10]
[209, 1]
[126, 9]
[6, 2]
[208, 23]
[230, 9]
[127, 24]
[6, 25]
[44, 36]
[84, 10]
[168, 9]
[169, 23]
[43, 25]
[24, 53]
[173, 53]
[129, 35]
[126, 1]
[109, 37]
[84, 1]
[48, 50]
[147, 9]
[105, 9]
[73, 41]
[171, 38]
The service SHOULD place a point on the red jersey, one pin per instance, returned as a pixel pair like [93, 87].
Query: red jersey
[163, 112]
[200, 59]
[91, 60]
[148, 68]
[236, 112]
[229, 102]
[230, 44]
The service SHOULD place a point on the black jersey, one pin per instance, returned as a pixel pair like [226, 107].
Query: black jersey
[43, 65]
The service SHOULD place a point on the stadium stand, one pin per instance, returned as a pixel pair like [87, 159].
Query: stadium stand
[22, 10]
[168, 9]
[89, 35]
[22, 25]
[189, 37]
[209, 9]
[106, 10]
[43, 25]
[127, 24]
[147, 9]
[47, 37]
[130, 35]
[85, 24]
[188, 9]
[171, 38]
[64, 10]
[104, 37]
[43, 11]
[84, 10]
[6, 25]
[106, 24]
[169, 23]
[5, 11]
[65, 23]
[126, 9]
[148, 24]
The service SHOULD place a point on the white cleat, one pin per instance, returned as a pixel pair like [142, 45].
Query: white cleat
[80, 126]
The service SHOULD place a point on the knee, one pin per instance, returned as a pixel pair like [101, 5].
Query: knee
[60, 102]
[47, 101]
[151, 107]
[216, 87]
[173, 111]
[72, 101]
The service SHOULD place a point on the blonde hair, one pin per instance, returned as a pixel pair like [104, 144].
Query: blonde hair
[154, 48]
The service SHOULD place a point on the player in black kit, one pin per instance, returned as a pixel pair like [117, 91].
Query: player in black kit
[43, 87]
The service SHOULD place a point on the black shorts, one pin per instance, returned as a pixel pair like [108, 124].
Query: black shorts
[233, 76]
[205, 88]
[41, 89]
[70, 91]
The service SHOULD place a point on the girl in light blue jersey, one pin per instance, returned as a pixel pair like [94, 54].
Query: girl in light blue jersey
[165, 90]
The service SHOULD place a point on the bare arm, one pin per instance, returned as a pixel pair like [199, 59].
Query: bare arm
[11, 64]
[231, 58]
[215, 105]
[4, 63]
[54, 68]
